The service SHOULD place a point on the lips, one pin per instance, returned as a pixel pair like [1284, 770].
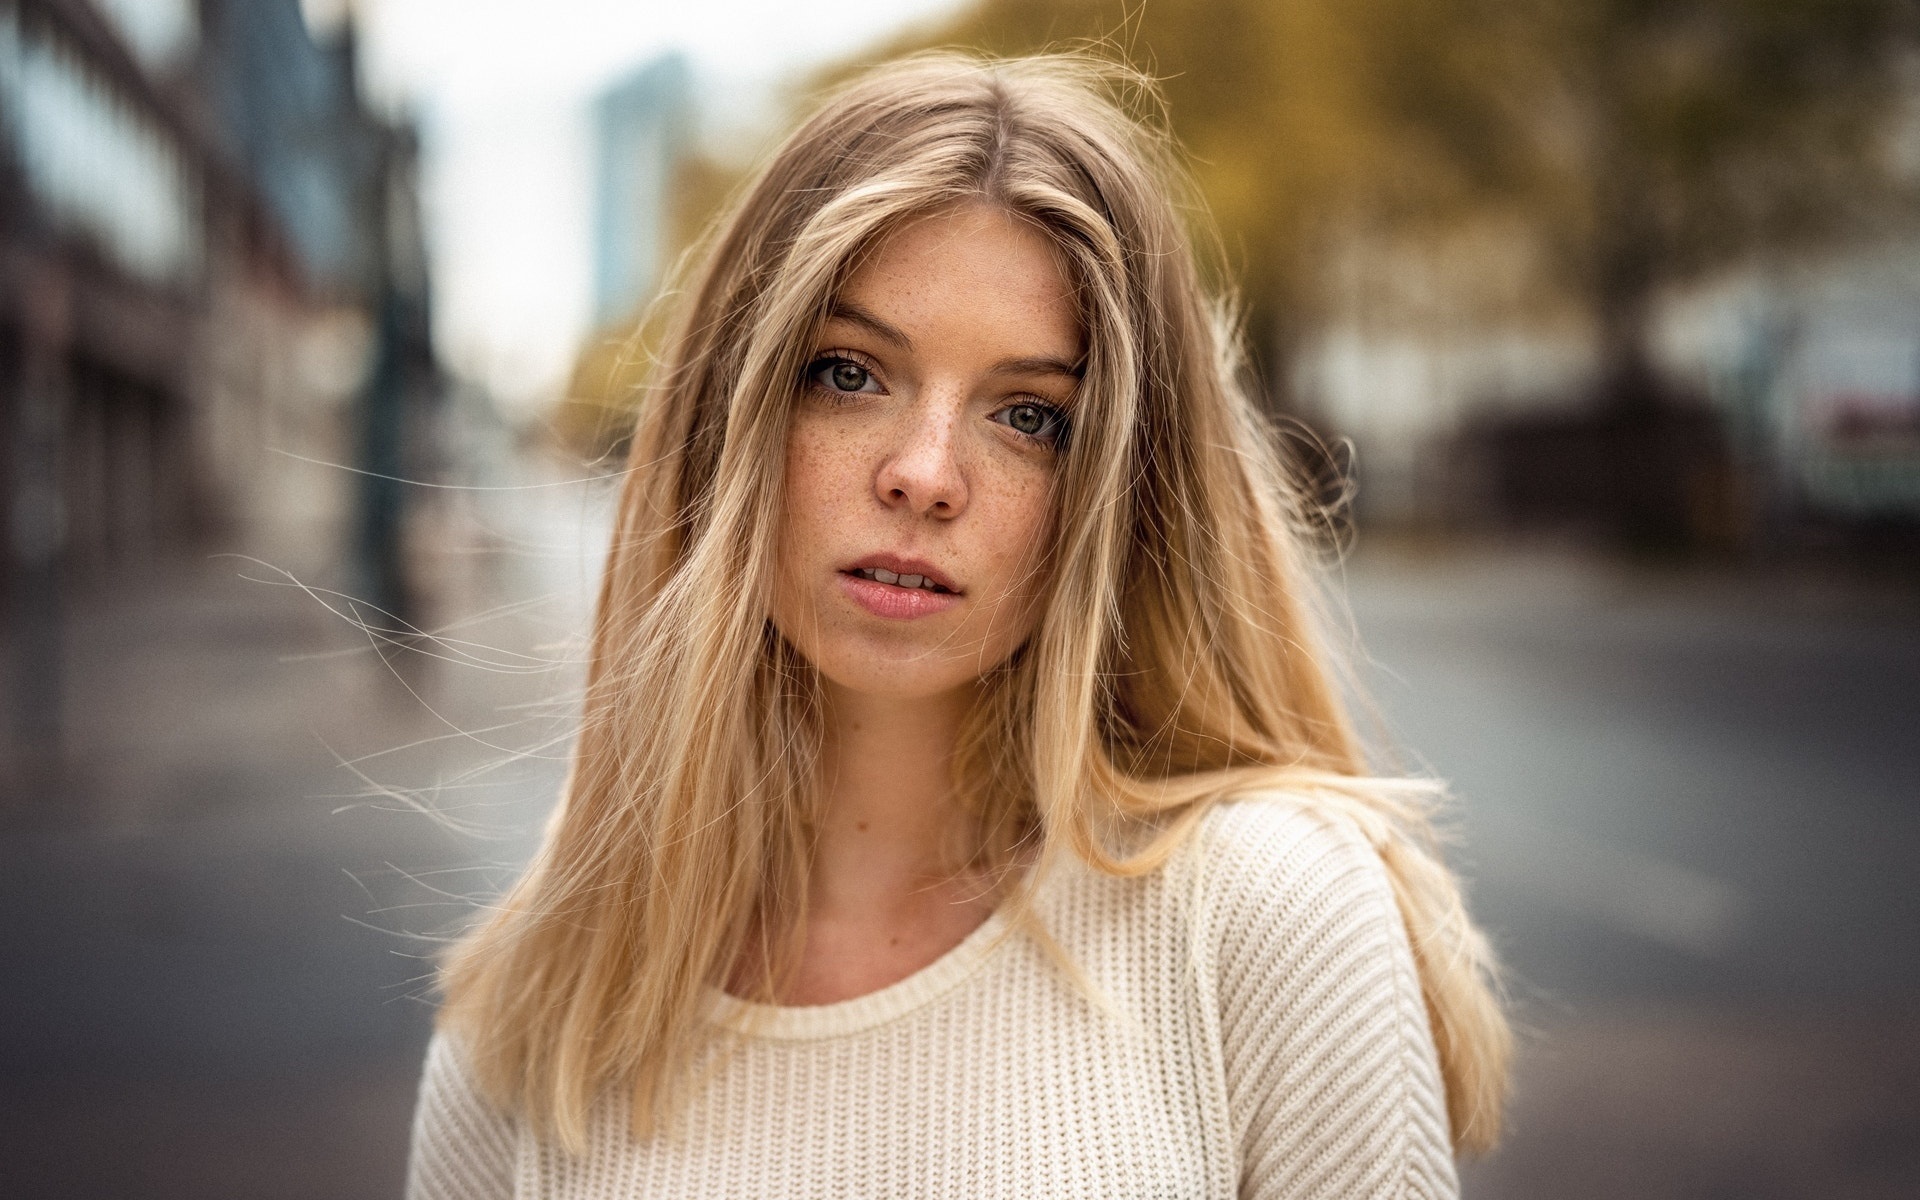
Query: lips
[898, 571]
[898, 588]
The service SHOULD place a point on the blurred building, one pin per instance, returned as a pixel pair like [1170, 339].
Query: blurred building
[1801, 382]
[641, 127]
[342, 180]
[1816, 370]
[209, 250]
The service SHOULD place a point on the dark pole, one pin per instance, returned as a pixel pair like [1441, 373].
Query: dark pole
[383, 458]
[37, 530]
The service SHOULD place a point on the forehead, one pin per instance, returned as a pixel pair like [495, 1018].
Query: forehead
[970, 274]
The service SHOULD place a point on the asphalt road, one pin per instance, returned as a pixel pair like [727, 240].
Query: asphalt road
[1687, 804]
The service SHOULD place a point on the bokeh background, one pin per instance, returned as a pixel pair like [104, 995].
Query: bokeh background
[319, 322]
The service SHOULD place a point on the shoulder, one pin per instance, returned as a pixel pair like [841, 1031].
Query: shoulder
[1255, 883]
[1277, 856]
[1331, 1073]
[1275, 821]
[447, 1075]
[450, 1089]
[1287, 902]
[1251, 871]
[463, 1146]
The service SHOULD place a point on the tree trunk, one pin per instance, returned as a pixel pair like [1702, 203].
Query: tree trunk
[1624, 276]
[1662, 460]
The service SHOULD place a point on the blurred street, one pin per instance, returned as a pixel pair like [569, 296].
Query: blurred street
[1690, 814]
[213, 978]
[1687, 799]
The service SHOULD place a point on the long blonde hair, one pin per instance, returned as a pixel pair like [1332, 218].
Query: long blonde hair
[1176, 662]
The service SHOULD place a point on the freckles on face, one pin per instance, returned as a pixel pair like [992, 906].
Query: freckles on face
[923, 447]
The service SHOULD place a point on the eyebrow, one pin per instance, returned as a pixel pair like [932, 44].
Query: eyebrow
[1038, 364]
[1043, 364]
[848, 311]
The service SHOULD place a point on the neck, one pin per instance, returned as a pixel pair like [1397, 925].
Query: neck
[890, 822]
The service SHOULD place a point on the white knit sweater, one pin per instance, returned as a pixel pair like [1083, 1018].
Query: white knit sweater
[1263, 1035]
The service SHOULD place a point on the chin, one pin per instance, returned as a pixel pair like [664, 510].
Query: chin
[904, 677]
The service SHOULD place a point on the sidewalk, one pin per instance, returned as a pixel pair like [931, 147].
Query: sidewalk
[215, 985]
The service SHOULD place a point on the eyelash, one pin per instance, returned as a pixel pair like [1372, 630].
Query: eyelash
[1053, 417]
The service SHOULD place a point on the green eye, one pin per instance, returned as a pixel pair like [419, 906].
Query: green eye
[1041, 422]
[835, 373]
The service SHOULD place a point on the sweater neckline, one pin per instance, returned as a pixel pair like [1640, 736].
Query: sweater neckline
[808, 1022]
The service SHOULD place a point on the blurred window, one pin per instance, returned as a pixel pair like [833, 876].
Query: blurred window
[159, 32]
[98, 166]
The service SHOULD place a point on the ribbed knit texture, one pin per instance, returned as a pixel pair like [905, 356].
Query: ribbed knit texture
[1260, 1032]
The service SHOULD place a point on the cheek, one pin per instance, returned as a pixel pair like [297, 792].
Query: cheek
[820, 486]
[829, 468]
[1020, 526]
[789, 548]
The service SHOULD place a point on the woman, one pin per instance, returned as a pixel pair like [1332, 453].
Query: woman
[963, 806]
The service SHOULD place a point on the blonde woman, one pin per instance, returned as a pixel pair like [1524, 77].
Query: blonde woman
[963, 805]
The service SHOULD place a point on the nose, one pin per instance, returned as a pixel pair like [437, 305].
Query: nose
[922, 472]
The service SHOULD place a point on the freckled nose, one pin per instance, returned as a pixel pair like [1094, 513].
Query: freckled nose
[923, 474]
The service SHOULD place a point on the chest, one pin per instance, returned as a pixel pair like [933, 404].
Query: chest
[1010, 1086]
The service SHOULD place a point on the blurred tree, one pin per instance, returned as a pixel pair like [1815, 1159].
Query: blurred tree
[1302, 121]
[1672, 138]
[1640, 142]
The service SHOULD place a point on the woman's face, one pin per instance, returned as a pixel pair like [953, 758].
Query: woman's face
[923, 447]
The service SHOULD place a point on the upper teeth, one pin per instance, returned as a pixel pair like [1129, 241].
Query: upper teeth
[906, 581]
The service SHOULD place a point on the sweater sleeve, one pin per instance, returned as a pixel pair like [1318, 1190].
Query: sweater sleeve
[1333, 1084]
[463, 1147]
